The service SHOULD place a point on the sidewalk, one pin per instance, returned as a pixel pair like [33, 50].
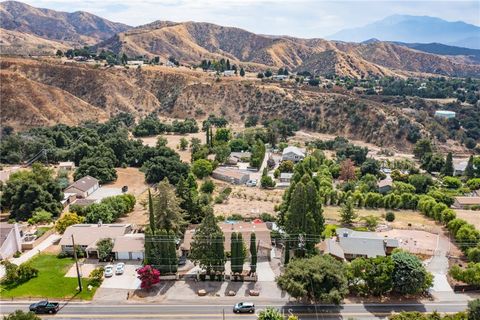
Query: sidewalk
[30, 254]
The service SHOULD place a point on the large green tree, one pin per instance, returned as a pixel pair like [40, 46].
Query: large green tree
[409, 275]
[372, 276]
[318, 279]
[347, 212]
[207, 247]
[166, 208]
[448, 167]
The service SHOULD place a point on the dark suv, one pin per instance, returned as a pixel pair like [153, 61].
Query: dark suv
[244, 307]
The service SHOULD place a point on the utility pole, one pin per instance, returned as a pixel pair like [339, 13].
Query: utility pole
[76, 264]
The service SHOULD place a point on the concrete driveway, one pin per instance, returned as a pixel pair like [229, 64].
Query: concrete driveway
[127, 280]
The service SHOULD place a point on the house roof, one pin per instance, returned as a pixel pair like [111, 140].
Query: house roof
[293, 149]
[84, 202]
[460, 165]
[468, 200]
[230, 172]
[245, 228]
[130, 243]
[385, 183]
[363, 243]
[89, 234]
[5, 229]
[66, 164]
[240, 155]
[84, 183]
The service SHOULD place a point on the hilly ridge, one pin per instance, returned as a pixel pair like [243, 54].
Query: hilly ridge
[190, 42]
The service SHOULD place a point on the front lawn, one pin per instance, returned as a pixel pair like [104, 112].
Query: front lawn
[51, 281]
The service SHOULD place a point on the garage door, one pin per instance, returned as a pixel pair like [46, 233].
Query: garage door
[137, 255]
[123, 256]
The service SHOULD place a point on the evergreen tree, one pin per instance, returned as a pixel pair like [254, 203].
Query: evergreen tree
[253, 253]
[207, 247]
[347, 213]
[166, 207]
[151, 216]
[448, 167]
[207, 132]
[236, 251]
[469, 170]
[287, 251]
[242, 72]
[228, 64]
[188, 194]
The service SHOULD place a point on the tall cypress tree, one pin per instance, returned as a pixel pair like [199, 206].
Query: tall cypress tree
[253, 253]
[469, 170]
[234, 252]
[240, 253]
[151, 216]
[448, 167]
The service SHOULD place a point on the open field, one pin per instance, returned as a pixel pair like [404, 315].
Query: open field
[131, 177]
[471, 216]
[402, 218]
[51, 281]
[247, 201]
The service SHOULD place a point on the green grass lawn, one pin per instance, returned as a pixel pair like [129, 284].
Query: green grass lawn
[51, 281]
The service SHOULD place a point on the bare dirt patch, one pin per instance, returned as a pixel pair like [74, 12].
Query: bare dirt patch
[247, 201]
[470, 216]
[131, 177]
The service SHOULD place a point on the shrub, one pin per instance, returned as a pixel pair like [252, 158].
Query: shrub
[235, 217]
[267, 217]
[95, 278]
[15, 275]
[208, 186]
[390, 216]
[40, 216]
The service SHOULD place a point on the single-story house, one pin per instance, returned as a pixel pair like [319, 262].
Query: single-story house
[10, 239]
[349, 244]
[286, 177]
[293, 153]
[104, 192]
[280, 77]
[67, 165]
[86, 236]
[229, 73]
[236, 157]
[129, 247]
[262, 233]
[83, 187]
[231, 175]
[466, 202]
[135, 63]
[385, 185]
[459, 166]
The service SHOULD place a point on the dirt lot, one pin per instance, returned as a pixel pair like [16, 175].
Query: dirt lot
[247, 201]
[131, 177]
[174, 142]
[470, 216]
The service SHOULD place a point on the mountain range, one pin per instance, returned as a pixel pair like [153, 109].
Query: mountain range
[415, 29]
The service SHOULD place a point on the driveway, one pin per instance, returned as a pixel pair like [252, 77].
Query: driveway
[438, 266]
[127, 280]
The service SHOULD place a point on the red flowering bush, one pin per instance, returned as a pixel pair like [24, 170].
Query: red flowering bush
[149, 276]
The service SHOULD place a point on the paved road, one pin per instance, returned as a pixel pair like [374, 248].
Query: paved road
[212, 312]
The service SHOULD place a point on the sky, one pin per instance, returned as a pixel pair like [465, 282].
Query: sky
[300, 18]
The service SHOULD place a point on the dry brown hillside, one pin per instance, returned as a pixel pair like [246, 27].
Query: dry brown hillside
[21, 43]
[76, 27]
[39, 92]
[190, 42]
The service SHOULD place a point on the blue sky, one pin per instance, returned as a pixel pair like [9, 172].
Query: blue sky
[301, 18]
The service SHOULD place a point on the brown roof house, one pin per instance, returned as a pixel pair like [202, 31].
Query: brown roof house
[466, 202]
[86, 237]
[350, 244]
[385, 185]
[262, 233]
[231, 175]
[83, 187]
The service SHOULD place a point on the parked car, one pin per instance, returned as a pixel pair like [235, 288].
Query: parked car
[251, 183]
[182, 260]
[108, 271]
[120, 268]
[244, 307]
[44, 307]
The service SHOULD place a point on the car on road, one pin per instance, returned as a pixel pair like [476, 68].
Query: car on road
[44, 307]
[120, 268]
[108, 271]
[244, 307]
[251, 183]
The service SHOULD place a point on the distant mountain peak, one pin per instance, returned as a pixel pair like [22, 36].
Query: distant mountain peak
[414, 29]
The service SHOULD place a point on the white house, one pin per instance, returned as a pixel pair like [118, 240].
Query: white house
[459, 166]
[445, 114]
[293, 154]
[10, 240]
[83, 187]
[135, 63]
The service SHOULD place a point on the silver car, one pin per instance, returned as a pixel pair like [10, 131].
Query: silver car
[244, 307]
[108, 271]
